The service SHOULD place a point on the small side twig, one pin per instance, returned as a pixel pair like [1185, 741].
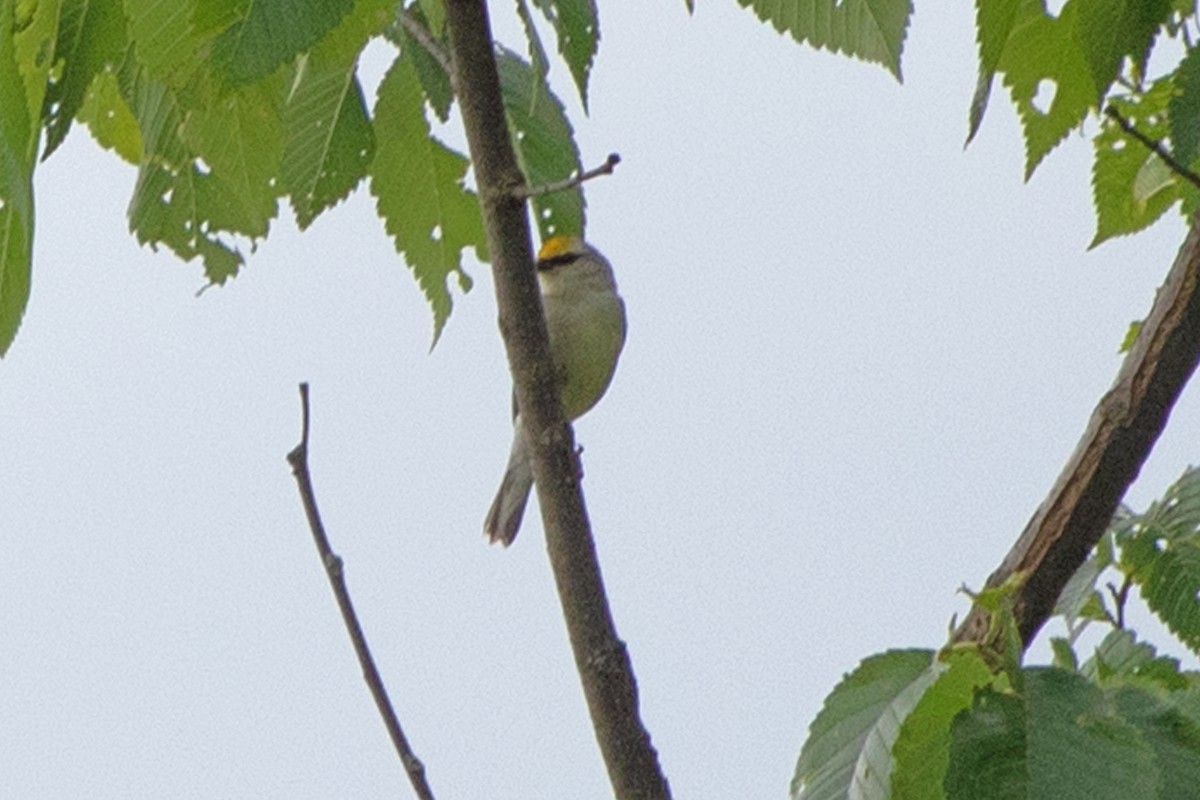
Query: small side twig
[298, 459]
[610, 164]
[1154, 147]
[1120, 597]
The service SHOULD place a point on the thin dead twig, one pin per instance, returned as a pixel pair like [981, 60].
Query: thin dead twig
[335, 570]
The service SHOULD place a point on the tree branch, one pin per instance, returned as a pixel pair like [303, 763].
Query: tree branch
[334, 569]
[1122, 431]
[567, 183]
[601, 658]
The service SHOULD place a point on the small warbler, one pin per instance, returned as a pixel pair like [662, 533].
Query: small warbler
[585, 319]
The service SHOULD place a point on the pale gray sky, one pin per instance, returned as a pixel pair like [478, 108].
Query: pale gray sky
[858, 357]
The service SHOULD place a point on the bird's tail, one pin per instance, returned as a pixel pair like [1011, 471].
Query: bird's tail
[504, 518]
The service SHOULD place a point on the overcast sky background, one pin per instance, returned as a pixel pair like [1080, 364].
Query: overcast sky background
[858, 358]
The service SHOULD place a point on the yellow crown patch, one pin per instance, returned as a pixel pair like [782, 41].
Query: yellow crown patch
[558, 246]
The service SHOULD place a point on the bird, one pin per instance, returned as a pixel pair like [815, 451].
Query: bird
[585, 321]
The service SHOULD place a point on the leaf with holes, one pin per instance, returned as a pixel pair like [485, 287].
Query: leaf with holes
[91, 36]
[545, 147]
[418, 186]
[237, 135]
[1131, 187]
[109, 119]
[1047, 76]
[327, 139]
[578, 28]
[175, 202]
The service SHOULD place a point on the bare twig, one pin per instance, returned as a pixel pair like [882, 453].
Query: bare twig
[298, 458]
[1155, 147]
[557, 186]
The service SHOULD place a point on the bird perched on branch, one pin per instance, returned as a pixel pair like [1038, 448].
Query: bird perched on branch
[585, 319]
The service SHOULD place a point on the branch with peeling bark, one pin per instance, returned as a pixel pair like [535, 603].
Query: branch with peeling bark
[1123, 429]
[600, 656]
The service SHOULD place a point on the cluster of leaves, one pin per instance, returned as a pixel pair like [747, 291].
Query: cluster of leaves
[1091, 57]
[966, 723]
[227, 106]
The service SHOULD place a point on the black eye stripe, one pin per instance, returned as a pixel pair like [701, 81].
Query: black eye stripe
[545, 264]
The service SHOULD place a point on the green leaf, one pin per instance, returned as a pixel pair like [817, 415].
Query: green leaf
[272, 33]
[987, 750]
[34, 44]
[1110, 30]
[1043, 56]
[211, 17]
[1174, 738]
[922, 750]
[91, 36]
[432, 75]
[1078, 747]
[1187, 701]
[872, 30]
[993, 26]
[1172, 587]
[1185, 108]
[1064, 741]
[109, 119]
[164, 40]
[1118, 655]
[1162, 672]
[537, 53]
[434, 13]
[175, 202]
[1093, 608]
[1131, 186]
[418, 184]
[1162, 556]
[1177, 515]
[328, 140]
[545, 147]
[17, 146]
[238, 136]
[994, 20]
[842, 733]
[1064, 654]
[1080, 590]
[578, 28]
[1001, 644]
[345, 43]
